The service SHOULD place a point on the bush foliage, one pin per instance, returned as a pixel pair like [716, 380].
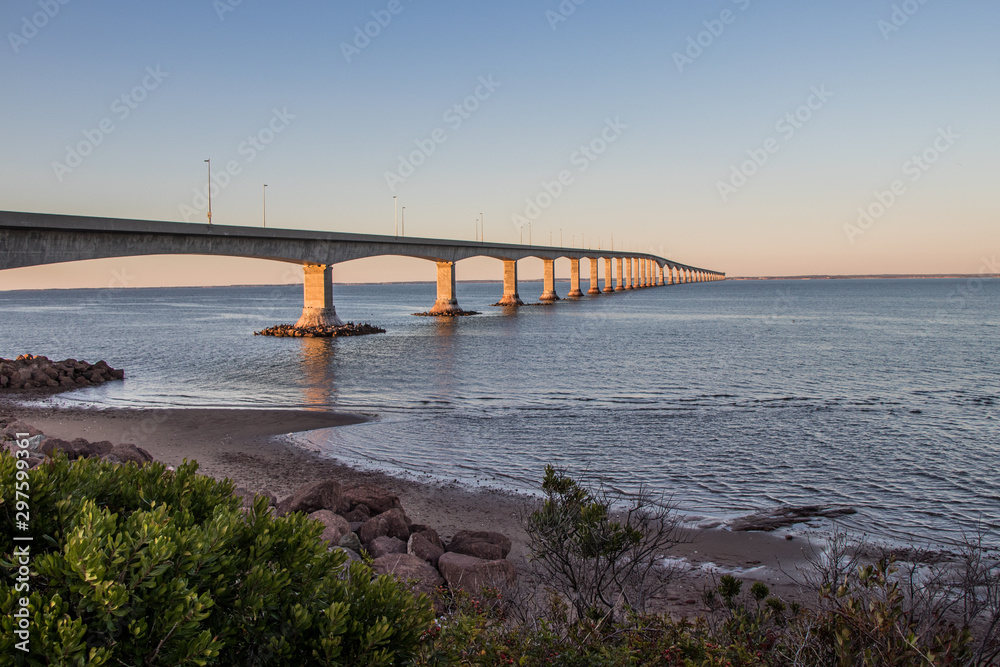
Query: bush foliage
[145, 566]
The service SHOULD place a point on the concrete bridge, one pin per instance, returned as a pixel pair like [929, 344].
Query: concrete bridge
[32, 239]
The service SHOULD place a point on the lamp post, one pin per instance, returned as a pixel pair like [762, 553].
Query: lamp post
[402, 223]
[209, 162]
[395, 215]
[265, 204]
[482, 227]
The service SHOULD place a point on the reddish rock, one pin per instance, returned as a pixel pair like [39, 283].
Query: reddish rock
[480, 544]
[429, 533]
[335, 526]
[52, 445]
[250, 497]
[359, 513]
[88, 450]
[392, 523]
[377, 500]
[127, 453]
[422, 547]
[322, 495]
[20, 427]
[421, 577]
[385, 545]
[473, 574]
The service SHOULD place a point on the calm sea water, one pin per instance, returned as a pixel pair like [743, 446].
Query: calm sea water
[878, 394]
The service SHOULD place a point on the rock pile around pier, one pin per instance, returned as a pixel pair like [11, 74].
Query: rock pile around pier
[359, 519]
[292, 331]
[37, 372]
[450, 313]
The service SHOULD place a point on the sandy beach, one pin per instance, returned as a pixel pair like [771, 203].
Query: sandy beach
[251, 448]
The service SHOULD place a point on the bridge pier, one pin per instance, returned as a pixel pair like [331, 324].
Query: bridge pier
[595, 287]
[661, 280]
[317, 297]
[446, 301]
[619, 286]
[574, 279]
[549, 290]
[608, 286]
[643, 268]
[628, 273]
[635, 273]
[510, 296]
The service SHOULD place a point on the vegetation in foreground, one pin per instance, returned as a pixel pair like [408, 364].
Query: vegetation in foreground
[145, 566]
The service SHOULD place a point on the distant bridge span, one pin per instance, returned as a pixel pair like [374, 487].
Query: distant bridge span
[32, 239]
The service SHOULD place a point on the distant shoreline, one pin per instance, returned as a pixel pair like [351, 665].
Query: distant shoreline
[901, 276]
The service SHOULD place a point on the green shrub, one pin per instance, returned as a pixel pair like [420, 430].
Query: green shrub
[599, 547]
[143, 566]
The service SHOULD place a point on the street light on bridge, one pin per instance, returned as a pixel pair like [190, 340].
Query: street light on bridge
[265, 204]
[209, 161]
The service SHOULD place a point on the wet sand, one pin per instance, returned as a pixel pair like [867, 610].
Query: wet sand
[250, 447]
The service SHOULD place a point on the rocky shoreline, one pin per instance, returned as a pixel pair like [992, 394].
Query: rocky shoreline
[36, 372]
[292, 331]
[358, 519]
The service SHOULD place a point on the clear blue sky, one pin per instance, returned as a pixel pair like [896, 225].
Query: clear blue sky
[887, 91]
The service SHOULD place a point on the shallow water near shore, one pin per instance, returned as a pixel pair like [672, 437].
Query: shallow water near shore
[878, 394]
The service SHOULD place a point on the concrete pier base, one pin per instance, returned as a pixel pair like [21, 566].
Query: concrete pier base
[446, 301]
[608, 285]
[635, 273]
[317, 298]
[549, 290]
[661, 279]
[628, 273]
[620, 284]
[595, 286]
[574, 280]
[510, 295]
